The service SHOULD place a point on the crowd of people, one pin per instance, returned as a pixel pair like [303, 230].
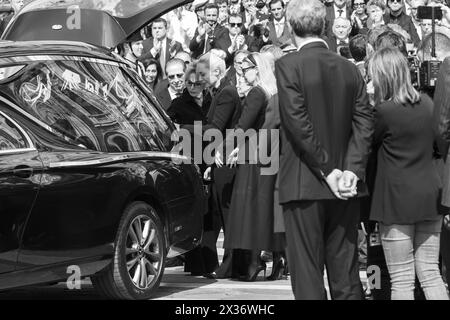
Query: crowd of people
[359, 141]
[357, 136]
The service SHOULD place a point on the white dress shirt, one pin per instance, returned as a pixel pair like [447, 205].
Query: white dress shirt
[279, 26]
[342, 14]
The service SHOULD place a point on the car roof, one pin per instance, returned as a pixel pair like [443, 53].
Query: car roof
[30, 48]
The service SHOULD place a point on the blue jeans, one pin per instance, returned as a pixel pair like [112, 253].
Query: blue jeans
[411, 249]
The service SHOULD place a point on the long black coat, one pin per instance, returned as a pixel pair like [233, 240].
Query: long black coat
[249, 228]
[407, 181]
[326, 122]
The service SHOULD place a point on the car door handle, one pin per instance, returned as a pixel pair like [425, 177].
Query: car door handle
[23, 172]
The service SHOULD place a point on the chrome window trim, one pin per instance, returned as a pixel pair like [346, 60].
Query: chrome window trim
[140, 155]
[30, 146]
[57, 57]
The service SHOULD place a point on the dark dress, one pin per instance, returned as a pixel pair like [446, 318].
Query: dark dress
[407, 181]
[247, 227]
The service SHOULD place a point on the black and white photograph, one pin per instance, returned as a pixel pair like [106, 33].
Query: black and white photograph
[224, 157]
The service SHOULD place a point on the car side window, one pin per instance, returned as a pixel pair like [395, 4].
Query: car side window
[89, 103]
[11, 138]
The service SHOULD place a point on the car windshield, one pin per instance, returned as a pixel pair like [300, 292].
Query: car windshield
[117, 8]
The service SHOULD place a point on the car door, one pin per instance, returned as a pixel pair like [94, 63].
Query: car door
[20, 174]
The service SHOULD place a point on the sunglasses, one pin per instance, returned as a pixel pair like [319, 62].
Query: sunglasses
[245, 70]
[356, 5]
[234, 25]
[397, 1]
[194, 84]
[178, 75]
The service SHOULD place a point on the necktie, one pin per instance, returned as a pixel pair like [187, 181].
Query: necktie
[340, 12]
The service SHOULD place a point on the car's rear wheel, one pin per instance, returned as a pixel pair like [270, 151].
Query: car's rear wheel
[139, 257]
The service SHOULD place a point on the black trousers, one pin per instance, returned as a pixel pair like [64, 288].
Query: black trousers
[323, 233]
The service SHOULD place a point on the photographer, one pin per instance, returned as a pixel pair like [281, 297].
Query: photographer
[210, 35]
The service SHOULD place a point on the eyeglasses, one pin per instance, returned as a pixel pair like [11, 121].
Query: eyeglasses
[356, 5]
[234, 25]
[194, 84]
[397, 1]
[178, 75]
[245, 70]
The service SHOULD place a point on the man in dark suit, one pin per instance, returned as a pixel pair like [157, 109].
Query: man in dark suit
[279, 32]
[442, 128]
[326, 133]
[158, 46]
[173, 86]
[209, 35]
[336, 9]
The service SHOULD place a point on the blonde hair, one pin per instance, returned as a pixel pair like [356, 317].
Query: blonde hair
[215, 61]
[391, 77]
[266, 77]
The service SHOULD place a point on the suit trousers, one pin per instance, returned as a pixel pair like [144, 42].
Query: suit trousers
[323, 233]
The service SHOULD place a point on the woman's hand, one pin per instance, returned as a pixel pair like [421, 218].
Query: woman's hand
[207, 174]
[218, 159]
[233, 158]
[447, 222]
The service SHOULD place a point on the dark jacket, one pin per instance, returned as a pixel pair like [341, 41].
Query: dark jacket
[326, 121]
[404, 21]
[286, 36]
[184, 110]
[172, 48]
[441, 121]
[162, 93]
[407, 181]
[221, 41]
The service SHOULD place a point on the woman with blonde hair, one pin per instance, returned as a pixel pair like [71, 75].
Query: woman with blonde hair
[248, 230]
[407, 183]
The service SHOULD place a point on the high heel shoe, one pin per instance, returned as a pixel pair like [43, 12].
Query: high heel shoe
[251, 276]
[279, 270]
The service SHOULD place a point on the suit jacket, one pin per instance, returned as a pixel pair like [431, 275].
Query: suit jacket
[441, 121]
[407, 181]
[406, 23]
[286, 36]
[162, 93]
[221, 41]
[172, 47]
[326, 122]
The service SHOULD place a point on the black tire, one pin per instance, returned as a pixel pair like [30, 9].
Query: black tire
[115, 282]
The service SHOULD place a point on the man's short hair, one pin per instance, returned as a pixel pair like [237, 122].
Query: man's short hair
[275, 1]
[161, 20]
[358, 47]
[219, 2]
[212, 6]
[176, 61]
[235, 15]
[391, 39]
[442, 45]
[307, 17]
[347, 22]
[377, 3]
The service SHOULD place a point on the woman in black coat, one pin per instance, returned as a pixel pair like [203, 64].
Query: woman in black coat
[406, 191]
[249, 228]
[192, 106]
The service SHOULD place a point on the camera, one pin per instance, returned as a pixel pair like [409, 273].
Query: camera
[424, 75]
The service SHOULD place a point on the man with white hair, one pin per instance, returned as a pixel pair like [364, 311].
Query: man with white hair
[327, 128]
